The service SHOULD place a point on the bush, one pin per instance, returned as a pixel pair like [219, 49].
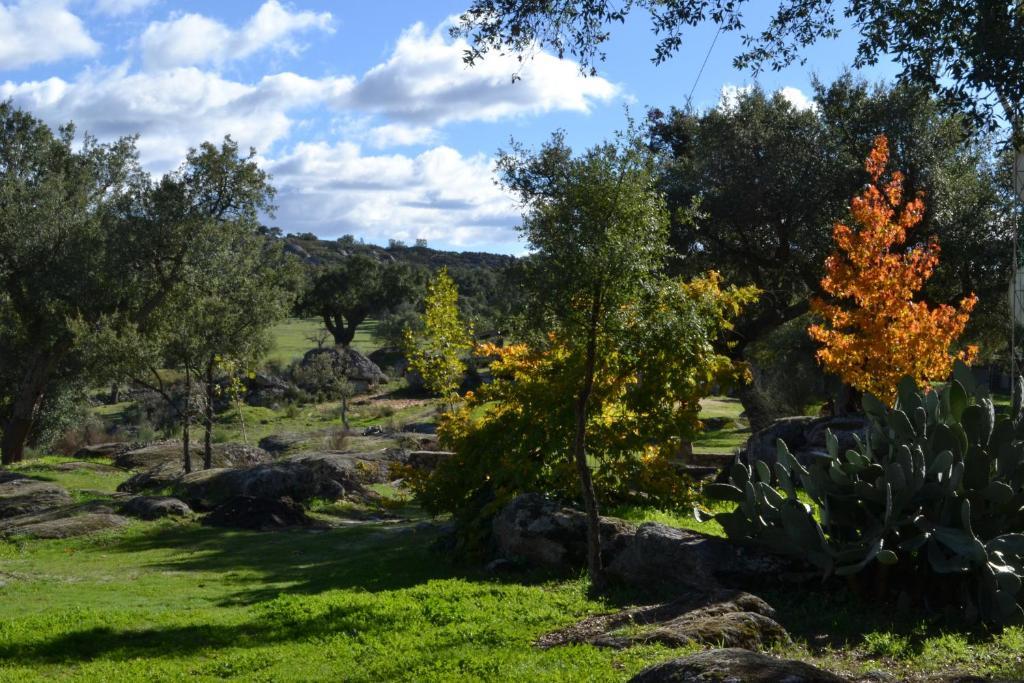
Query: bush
[937, 491]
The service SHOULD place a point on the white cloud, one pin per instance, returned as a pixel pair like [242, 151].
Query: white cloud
[400, 135]
[798, 99]
[194, 39]
[176, 108]
[425, 82]
[729, 96]
[328, 182]
[119, 8]
[439, 195]
[41, 31]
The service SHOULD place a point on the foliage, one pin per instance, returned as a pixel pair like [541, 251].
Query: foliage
[97, 259]
[515, 434]
[345, 293]
[437, 352]
[968, 52]
[784, 370]
[874, 331]
[936, 489]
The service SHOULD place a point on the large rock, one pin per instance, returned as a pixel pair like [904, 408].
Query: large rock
[207, 489]
[260, 514]
[805, 437]
[356, 366]
[722, 618]
[373, 467]
[734, 664]
[541, 532]
[67, 527]
[170, 453]
[155, 507]
[21, 495]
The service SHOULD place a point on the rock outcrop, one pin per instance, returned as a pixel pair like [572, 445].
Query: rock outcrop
[723, 619]
[155, 507]
[734, 664]
[538, 531]
[20, 495]
[169, 453]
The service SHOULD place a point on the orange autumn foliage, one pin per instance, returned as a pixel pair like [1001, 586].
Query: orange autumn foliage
[875, 333]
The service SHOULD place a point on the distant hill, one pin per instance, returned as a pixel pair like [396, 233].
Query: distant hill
[318, 251]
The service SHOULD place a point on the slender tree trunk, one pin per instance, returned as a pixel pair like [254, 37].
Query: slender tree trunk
[26, 403]
[187, 422]
[208, 435]
[594, 565]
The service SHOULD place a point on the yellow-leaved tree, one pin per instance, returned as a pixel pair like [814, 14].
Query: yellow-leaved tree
[875, 332]
[437, 353]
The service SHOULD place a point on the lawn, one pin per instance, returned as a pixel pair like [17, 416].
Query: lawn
[373, 601]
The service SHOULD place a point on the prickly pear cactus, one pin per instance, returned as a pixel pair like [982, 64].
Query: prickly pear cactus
[939, 484]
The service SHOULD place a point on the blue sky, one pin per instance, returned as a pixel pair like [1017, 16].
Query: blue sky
[362, 111]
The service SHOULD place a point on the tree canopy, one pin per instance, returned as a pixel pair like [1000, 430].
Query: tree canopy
[971, 52]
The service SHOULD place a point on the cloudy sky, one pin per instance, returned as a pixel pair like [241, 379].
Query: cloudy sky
[363, 112]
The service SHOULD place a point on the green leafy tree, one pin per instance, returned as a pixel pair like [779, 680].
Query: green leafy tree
[437, 352]
[598, 227]
[795, 170]
[231, 285]
[345, 294]
[92, 249]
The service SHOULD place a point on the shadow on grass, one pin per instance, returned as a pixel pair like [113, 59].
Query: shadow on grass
[279, 577]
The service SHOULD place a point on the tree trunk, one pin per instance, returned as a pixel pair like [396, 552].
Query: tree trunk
[26, 403]
[759, 415]
[186, 423]
[208, 435]
[342, 328]
[594, 564]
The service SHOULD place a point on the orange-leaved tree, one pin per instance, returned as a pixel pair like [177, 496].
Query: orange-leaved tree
[875, 332]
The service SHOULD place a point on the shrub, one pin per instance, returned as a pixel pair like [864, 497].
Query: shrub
[937, 490]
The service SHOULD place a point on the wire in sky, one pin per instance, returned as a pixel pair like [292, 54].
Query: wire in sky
[701, 71]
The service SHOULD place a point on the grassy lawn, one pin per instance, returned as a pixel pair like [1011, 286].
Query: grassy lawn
[730, 437]
[374, 602]
[370, 602]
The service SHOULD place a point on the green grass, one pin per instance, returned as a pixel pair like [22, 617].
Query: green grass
[373, 603]
[725, 440]
[291, 338]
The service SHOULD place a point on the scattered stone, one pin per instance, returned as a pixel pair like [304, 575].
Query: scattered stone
[260, 514]
[155, 507]
[104, 450]
[21, 495]
[207, 489]
[67, 527]
[734, 664]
